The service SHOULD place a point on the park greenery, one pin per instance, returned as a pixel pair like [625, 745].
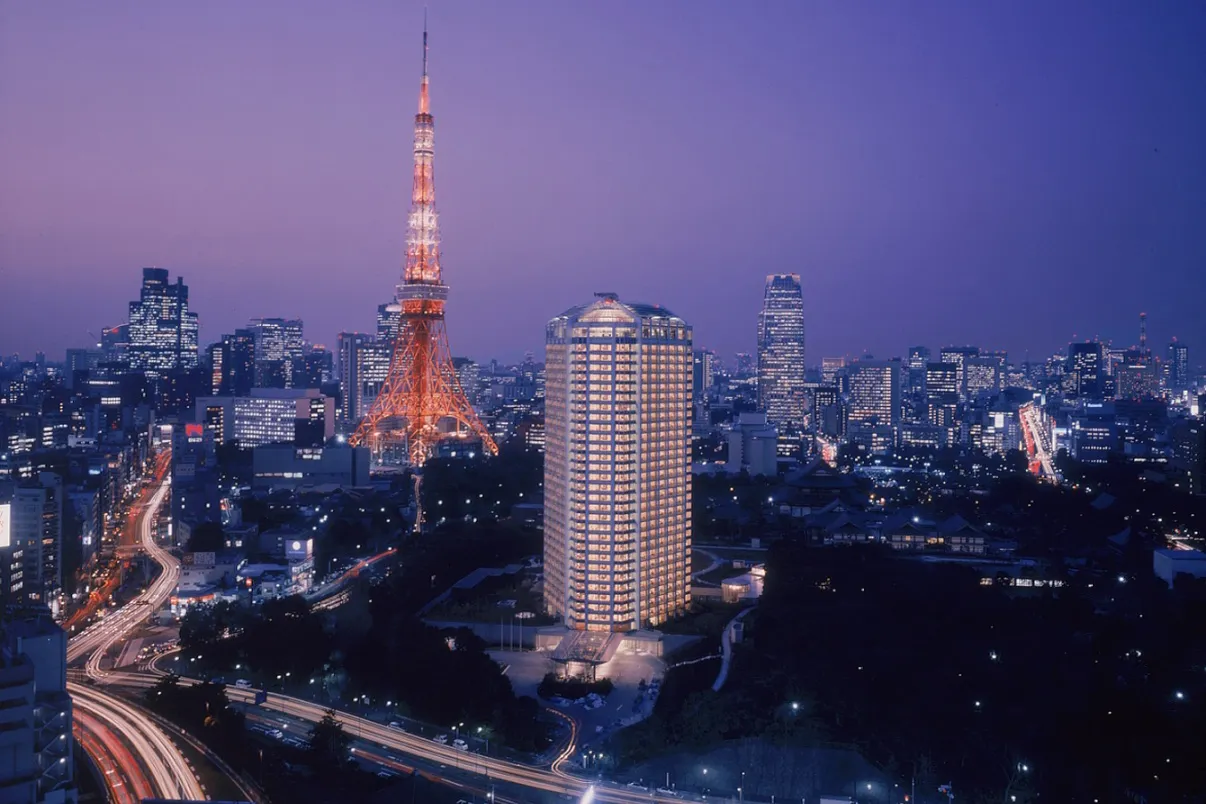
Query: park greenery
[375, 647]
[1094, 689]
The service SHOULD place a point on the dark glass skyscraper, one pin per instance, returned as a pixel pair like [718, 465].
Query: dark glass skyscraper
[782, 389]
[163, 332]
[279, 345]
[1178, 365]
[1085, 370]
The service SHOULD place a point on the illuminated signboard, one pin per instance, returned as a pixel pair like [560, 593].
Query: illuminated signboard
[299, 549]
[5, 527]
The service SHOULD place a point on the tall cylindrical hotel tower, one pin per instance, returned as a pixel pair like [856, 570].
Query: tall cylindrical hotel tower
[617, 465]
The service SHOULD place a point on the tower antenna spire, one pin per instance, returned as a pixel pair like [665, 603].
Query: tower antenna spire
[421, 403]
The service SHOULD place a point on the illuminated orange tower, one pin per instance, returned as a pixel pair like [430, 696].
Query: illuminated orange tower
[421, 402]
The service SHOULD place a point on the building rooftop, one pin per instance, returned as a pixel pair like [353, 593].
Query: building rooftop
[1182, 555]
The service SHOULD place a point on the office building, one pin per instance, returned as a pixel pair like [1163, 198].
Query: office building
[874, 408]
[704, 373]
[781, 374]
[831, 369]
[875, 392]
[316, 369]
[36, 528]
[617, 469]
[232, 364]
[115, 344]
[1188, 437]
[162, 330]
[957, 355]
[388, 316]
[828, 411]
[981, 376]
[269, 416]
[753, 446]
[919, 358]
[12, 561]
[363, 369]
[283, 466]
[37, 764]
[87, 505]
[1136, 377]
[278, 350]
[1085, 372]
[1179, 378]
[196, 495]
[1094, 432]
[942, 399]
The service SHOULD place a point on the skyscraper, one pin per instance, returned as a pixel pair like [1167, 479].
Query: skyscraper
[942, 398]
[705, 372]
[278, 349]
[363, 368]
[874, 410]
[163, 332]
[36, 527]
[1178, 366]
[781, 376]
[1085, 371]
[232, 364]
[617, 465]
[957, 355]
[919, 356]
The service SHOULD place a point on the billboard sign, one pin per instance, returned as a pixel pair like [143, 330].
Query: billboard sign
[299, 549]
[5, 526]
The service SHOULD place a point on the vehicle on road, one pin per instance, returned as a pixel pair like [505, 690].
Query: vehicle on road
[442, 739]
[243, 684]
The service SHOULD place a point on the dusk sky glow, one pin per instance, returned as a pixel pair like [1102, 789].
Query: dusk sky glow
[1003, 174]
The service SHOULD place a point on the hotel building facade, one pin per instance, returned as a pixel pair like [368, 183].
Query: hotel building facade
[617, 470]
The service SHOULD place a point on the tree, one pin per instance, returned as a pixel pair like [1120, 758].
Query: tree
[328, 740]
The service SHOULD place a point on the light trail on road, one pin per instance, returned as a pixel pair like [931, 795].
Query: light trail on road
[98, 712]
[1038, 440]
[122, 775]
[168, 770]
[552, 780]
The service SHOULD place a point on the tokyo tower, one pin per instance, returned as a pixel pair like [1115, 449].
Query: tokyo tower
[421, 401]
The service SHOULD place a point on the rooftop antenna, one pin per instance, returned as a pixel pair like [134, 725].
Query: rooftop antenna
[1142, 331]
[424, 41]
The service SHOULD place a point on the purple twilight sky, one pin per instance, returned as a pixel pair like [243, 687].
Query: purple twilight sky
[1007, 174]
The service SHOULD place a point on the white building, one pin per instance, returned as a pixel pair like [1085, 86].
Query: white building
[617, 471]
[1168, 564]
[752, 445]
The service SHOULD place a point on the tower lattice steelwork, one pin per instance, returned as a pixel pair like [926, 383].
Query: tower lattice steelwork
[421, 402]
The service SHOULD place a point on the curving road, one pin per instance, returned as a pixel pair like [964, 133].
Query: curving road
[96, 640]
[155, 759]
[122, 776]
[166, 768]
[552, 780]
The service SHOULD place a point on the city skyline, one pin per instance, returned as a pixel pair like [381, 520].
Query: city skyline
[931, 168]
